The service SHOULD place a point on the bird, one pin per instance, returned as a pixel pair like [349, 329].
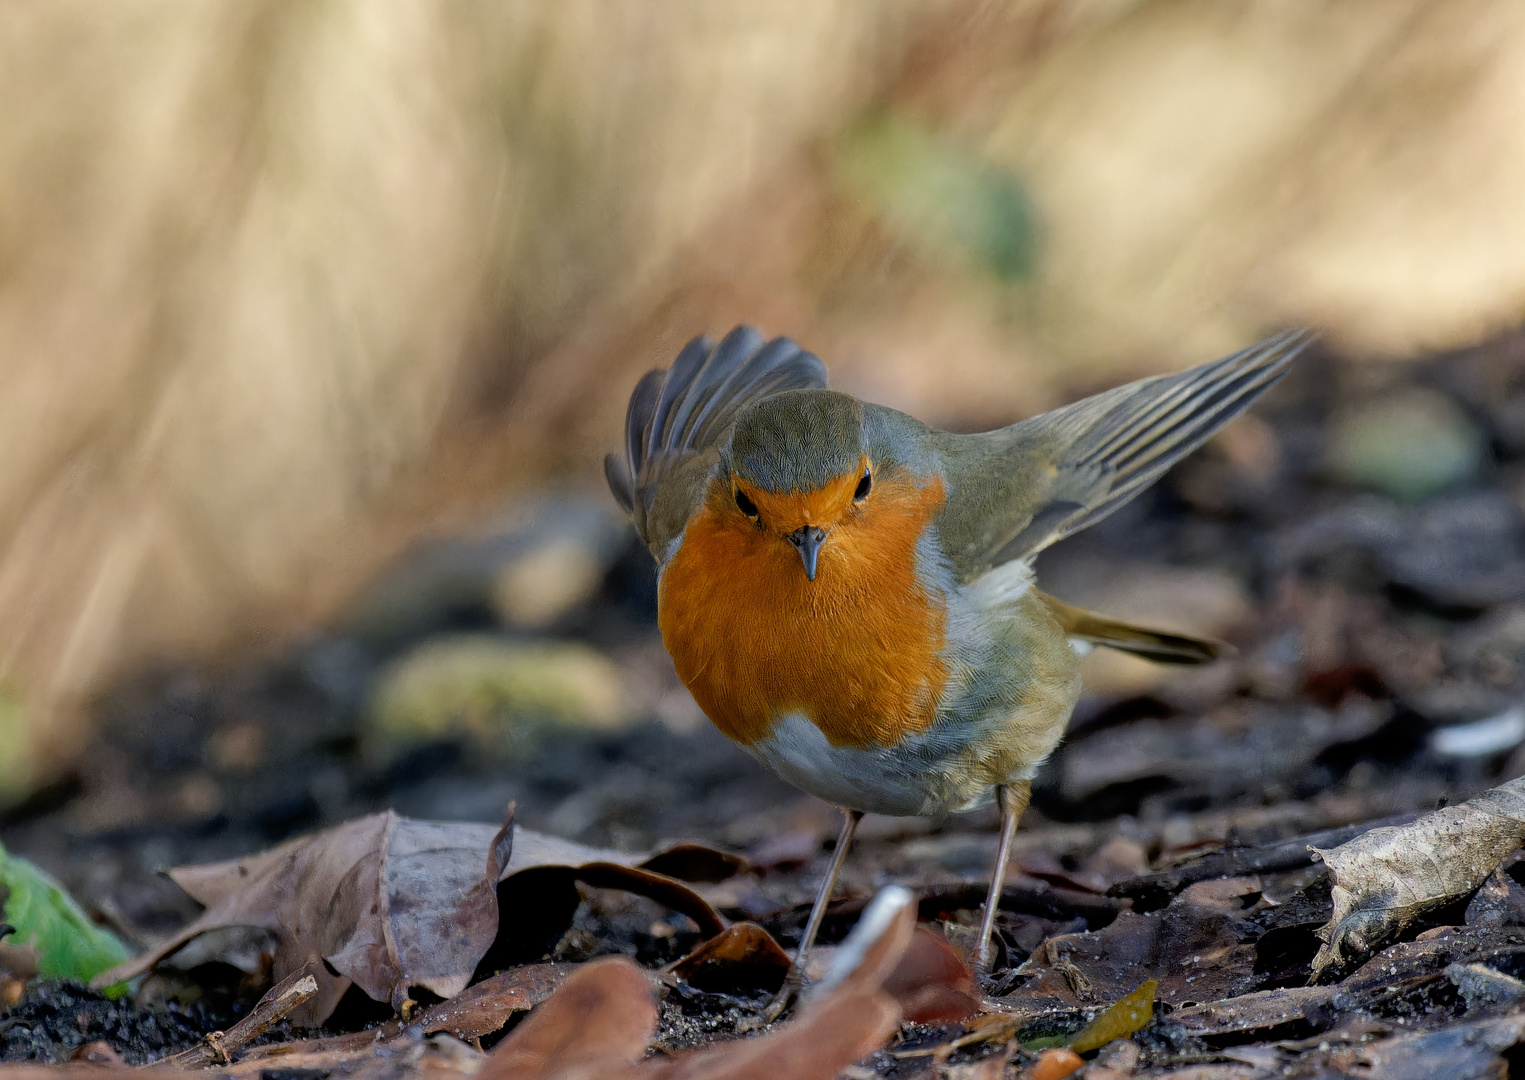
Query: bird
[849, 593]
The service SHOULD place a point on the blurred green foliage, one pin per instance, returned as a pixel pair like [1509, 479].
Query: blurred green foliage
[15, 754]
[938, 194]
[46, 918]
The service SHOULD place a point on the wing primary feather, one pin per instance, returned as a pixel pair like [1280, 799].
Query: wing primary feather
[616, 471]
[1193, 395]
[1212, 407]
[745, 372]
[781, 365]
[733, 349]
[638, 417]
[1102, 451]
[1187, 413]
[674, 384]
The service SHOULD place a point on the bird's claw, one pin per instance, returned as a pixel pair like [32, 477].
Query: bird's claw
[784, 1000]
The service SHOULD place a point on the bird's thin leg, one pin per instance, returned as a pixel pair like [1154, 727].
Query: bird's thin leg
[796, 977]
[1012, 800]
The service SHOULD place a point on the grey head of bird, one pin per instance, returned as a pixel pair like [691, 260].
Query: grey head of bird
[797, 464]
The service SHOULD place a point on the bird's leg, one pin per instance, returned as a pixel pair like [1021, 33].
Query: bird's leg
[1012, 800]
[796, 977]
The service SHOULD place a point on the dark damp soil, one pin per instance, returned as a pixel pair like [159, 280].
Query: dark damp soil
[1364, 624]
[55, 1019]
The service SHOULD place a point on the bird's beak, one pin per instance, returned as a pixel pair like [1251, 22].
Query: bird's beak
[807, 542]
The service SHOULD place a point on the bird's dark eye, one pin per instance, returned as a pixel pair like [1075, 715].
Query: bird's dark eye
[864, 486]
[745, 505]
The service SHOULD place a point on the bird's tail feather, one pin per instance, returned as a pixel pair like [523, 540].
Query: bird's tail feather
[1160, 646]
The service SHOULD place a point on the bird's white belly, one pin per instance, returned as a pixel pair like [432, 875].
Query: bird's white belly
[871, 780]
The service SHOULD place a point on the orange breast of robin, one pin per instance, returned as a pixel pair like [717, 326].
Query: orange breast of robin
[857, 651]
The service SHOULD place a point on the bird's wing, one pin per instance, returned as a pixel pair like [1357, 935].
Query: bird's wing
[678, 414]
[1016, 490]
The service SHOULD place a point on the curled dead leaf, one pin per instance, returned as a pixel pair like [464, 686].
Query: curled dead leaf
[932, 983]
[389, 903]
[743, 957]
[384, 902]
[1386, 878]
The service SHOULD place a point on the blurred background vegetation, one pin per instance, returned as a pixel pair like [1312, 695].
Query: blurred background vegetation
[287, 287]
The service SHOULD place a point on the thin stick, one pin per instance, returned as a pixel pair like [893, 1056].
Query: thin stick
[217, 1047]
[796, 977]
[1012, 800]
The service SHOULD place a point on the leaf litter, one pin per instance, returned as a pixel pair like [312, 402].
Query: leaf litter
[1386, 878]
[1169, 840]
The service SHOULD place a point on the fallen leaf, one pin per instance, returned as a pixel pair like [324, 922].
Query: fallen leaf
[1461, 1051]
[46, 922]
[1151, 891]
[484, 1007]
[697, 863]
[1118, 1020]
[384, 902]
[1193, 952]
[659, 887]
[425, 904]
[741, 958]
[1483, 988]
[991, 1068]
[1053, 1064]
[97, 1052]
[1261, 1011]
[597, 1024]
[1386, 878]
[1117, 1061]
[1499, 902]
[847, 1016]
[932, 983]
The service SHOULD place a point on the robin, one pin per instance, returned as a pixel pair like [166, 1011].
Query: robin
[848, 593]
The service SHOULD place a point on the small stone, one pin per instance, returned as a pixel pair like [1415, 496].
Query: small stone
[495, 691]
[1409, 444]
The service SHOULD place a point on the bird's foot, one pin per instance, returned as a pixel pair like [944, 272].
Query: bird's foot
[786, 997]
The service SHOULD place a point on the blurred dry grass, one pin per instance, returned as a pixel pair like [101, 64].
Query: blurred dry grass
[283, 285]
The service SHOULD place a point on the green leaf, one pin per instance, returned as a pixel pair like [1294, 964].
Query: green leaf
[69, 945]
[939, 194]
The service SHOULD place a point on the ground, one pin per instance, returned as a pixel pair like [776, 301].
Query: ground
[1360, 540]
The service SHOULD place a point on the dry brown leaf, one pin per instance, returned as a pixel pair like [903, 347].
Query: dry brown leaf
[848, 1015]
[1386, 878]
[484, 1007]
[418, 902]
[597, 1023]
[742, 957]
[384, 902]
[932, 983]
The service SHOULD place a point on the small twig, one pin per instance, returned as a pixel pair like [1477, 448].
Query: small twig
[996, 1026]
[218, 1047]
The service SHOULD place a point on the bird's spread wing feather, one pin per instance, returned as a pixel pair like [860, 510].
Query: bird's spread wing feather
[1021, 488]
[678, 414]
